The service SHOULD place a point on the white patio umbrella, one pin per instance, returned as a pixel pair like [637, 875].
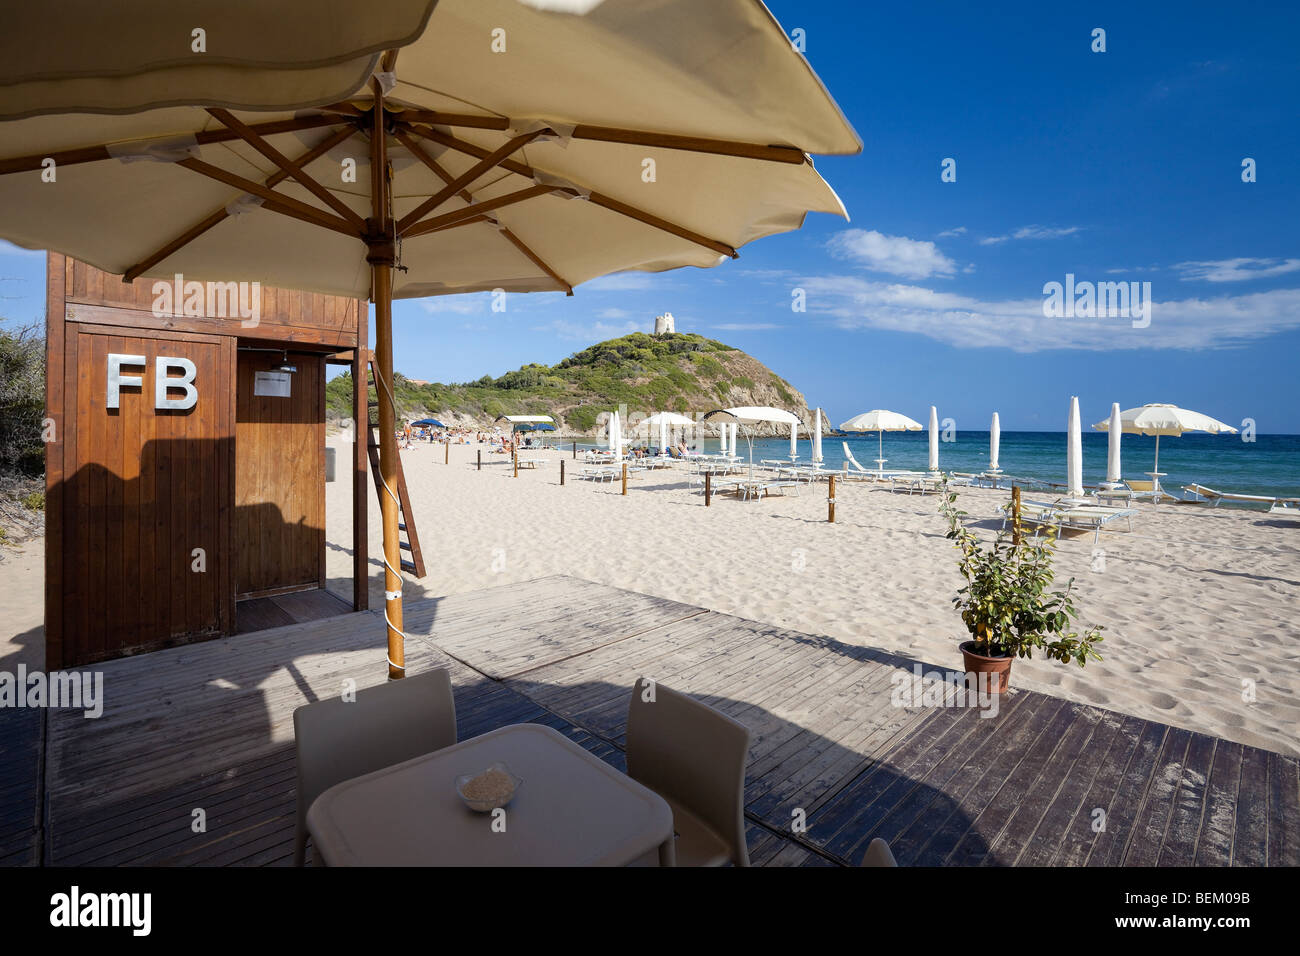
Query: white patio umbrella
[1074, 452]
[1115, 428]
[794, 441]
[1158, 420]
[879, 420]
[751, 415]
[817, 436]
[995, 443]
[663, 420]
[473, 170]
[934, 440]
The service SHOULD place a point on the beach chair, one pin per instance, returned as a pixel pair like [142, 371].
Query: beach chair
[1288, 506]
[1131, 491]
[1069, 514]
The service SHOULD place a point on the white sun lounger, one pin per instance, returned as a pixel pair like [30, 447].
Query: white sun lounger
[1070, 515]
[1276, 505]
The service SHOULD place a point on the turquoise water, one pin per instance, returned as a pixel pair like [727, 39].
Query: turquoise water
[1270, 465]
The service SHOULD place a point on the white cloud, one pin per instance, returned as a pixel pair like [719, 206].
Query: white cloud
[1031, 232]
[1236, 270]
[949, 233]
[747, 326]
[896, 255]
[1019, 324]
[588, 332]
[614, 314]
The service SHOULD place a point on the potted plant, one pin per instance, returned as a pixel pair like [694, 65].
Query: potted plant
[1006, 605]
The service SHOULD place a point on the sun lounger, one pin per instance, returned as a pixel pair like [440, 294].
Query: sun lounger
[915, 485]
[1069, 514]
[1276, 505]
[1131, 491]
[530, 462]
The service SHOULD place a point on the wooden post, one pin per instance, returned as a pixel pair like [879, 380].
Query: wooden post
[446, 457]
[575, 451]
[381, 256]
[361, 455]
[830, 500]
[514, 459]
[708, 488]
[624, 477]
[480, 459]
[561, 471]
[1015, 515]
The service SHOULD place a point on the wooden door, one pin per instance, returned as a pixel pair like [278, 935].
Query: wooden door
[279, 477]
[146, 495]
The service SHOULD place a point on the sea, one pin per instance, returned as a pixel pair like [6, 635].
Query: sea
[1268, 465]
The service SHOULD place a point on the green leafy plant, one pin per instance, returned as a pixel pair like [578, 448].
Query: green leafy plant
[1006, 605]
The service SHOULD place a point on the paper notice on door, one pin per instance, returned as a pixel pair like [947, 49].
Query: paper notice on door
[272, 384]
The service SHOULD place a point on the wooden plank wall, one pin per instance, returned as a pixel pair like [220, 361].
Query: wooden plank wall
[279, 478]
[142, 489]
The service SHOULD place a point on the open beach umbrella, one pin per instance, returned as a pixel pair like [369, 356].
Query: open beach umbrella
[429, 423]
[1074, 452]
[934, 440]
[406, 149]
[751, 415]
[1158, 420]
[995, 443]
[817, 436]
[1115, 427]
[664, 420]
[881, 421]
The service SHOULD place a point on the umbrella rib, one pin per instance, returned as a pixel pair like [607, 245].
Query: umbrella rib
[477, 209]
[272, 200]
[474, 172]
[288, 165]
[334, 139]
[419, 153]
[632, 212]
[790, 155]
[94, 154]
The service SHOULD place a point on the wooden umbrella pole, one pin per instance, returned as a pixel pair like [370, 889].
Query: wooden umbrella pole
[382, 256]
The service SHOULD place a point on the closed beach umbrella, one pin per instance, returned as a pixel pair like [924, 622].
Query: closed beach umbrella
[664, 420]
[732, 449]
[794, 441]
[1160, 419]
[663, 436]
[1074, 452]
[475, 169]
[881, 421]
[934, 439]
[817, 436]
[1116, 428]
[995, 441]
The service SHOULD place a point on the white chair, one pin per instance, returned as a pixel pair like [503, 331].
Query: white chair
[338, 740]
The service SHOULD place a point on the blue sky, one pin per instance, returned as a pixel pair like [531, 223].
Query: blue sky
[1117, 166]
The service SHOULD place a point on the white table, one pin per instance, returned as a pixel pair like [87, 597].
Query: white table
[572, 809]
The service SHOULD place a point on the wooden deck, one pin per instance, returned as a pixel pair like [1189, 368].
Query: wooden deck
[208, 727]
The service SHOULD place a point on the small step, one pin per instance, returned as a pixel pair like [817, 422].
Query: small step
[408, 566]
[404, 545]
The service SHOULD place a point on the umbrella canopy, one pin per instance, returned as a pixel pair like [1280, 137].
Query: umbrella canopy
[1074, 452]
[419, 149]
[753, 415]
[817, 436]
[664, 420]
[1116, 428]
[995, 442]
[934, 440]
[1159, 419]
[535, 427]
[881, 421]
[429, 423]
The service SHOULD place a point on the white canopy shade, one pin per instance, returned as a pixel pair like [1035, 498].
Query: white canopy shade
[1159, 419]
[1074, 452]
[668, 418]
[817, 436]
[880, 421]
[995, 442]
[753, 415]
[934, 439]
[1116, 428]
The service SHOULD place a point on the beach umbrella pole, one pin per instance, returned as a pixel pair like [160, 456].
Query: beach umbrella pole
[382, 256]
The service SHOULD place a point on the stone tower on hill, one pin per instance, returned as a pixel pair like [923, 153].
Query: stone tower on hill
[664, 324]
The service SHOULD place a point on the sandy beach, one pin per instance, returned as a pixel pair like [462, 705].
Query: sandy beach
[1197, 603]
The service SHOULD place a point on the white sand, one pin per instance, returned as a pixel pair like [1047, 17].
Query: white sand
[1195, 601]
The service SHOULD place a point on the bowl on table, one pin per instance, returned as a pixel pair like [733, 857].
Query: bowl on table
[488, 789]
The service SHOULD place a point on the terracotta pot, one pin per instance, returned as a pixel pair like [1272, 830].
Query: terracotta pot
[998, 669]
